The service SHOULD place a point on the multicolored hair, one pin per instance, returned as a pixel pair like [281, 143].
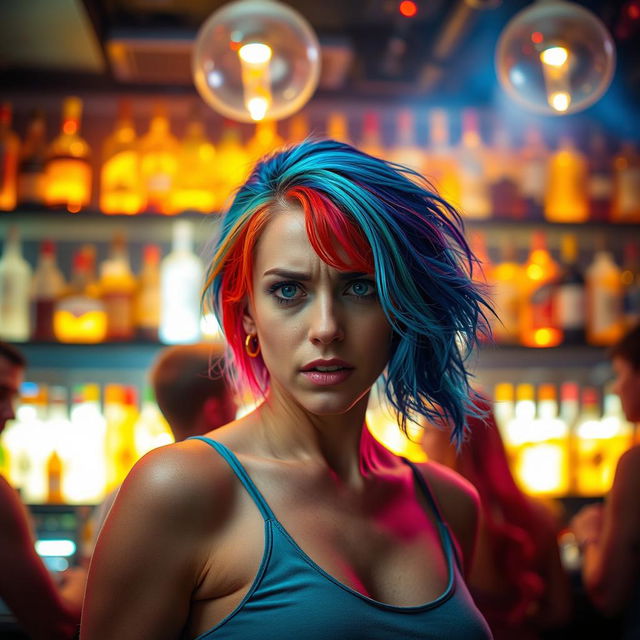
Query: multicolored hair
[364, 214]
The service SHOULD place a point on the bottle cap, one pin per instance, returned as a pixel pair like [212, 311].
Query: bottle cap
[547, 391]
[524, 391]
[503, 392]
[569, 391]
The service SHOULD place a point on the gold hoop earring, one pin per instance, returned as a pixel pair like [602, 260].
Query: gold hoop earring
[252, 351]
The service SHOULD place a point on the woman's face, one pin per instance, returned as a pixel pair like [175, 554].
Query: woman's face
[627, 385]
[323, 335]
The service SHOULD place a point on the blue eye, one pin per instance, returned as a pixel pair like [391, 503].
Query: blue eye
[288, 290]
[362, 289]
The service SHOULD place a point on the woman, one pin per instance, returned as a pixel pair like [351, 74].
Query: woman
[332, 267]
[516, 578]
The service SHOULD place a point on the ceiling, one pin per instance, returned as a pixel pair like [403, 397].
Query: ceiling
[368, 49]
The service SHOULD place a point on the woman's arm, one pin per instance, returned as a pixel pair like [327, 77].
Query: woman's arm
[25, 584]
[611, 559]
[152, 549]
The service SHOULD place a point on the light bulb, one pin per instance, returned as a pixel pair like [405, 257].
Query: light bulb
[256, 59]
[555, 57]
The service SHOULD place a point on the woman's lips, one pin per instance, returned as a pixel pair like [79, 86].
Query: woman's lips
[327, 378]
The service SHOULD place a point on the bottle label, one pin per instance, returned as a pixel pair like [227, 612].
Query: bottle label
[570, 306]
[605, 310]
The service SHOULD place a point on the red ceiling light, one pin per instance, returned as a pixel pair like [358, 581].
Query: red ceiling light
[408, 8]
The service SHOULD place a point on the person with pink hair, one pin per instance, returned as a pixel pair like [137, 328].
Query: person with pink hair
[516, 578]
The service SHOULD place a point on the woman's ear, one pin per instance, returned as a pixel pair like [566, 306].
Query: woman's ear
[248, 323]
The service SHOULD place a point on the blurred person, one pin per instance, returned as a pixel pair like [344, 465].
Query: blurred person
[45, 611]
[516, 579]
[331, 268]
[609, 534]
[192, 395]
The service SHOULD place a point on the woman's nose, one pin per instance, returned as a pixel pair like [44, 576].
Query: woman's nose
[325, 323]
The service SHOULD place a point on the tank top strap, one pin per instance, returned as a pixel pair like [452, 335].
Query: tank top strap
[242, 475]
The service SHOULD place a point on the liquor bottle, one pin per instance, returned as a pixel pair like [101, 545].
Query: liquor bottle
[54, 479]
[147, 304]
[475, 202]
[117, 439]
[85, 475]
[440, 166]
[406, 150]
[626, 185]
[605, 324]
[569, 413]
[504, 406]
[570, 300]
[181, 279]
[151, 430]
[79, 316]
[534, 159]
[298, 128]
[47, 286]
[67, 169]
[631, 285]
[31, 167]
[9, 150]
[338, 127]
[518, 430]
[482, 268]
[15, 283]
[120, 177]
[506, 282]
[265, 140]
[503, 177]
[567, 197]
[58, 426]
[588, 446]
[159, 163]
[371, 141]
[233, 164]
[194, 185]
[118, 286]
[538, 321]
[600, 179]
[546, 459]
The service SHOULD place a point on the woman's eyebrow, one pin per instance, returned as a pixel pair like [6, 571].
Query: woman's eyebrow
[305, 277]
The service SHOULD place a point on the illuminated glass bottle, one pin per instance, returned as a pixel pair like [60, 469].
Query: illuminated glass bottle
[233, 164]
[147, 303]
[265, 140]
[298, 128]
[181, 279]
[151, 430]
[567, 197]
[440, 166]
[15, 287]
[68, 170]
[570, 294]
[626, 185]
[194, 186]
[120, 179]
[538, 320]
[600, 179]
[475, 201]
[159, 163]
[117, 288]
[503, 176]
[47, 287]
[338, 127]
[605, 324]
[9, 150]
[534, 160]
[31, 168]
[506, 295]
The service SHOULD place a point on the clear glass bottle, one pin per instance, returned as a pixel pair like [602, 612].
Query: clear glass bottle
[9, 151]
[181, 279]
[120, 177]
[15, 287]
[68, 170]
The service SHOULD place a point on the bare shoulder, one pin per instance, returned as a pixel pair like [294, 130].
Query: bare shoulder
[181, 481]
[13, 514]
[459, 503]
[629, 464]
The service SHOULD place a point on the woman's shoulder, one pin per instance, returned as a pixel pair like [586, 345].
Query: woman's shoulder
[180, 479]
[458, 502]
